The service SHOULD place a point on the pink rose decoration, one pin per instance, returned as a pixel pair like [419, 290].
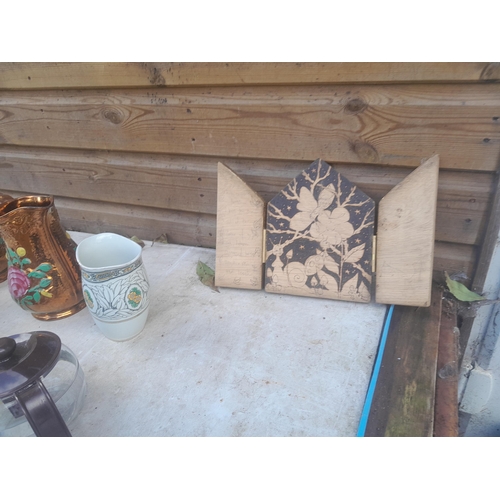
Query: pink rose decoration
[18, 282]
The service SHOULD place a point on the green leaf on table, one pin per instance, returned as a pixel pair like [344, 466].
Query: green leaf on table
[138, 241]
[461, 292]
[161, 239]
[206, 275]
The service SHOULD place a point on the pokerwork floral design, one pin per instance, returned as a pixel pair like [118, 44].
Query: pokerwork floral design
[27, 285]
[319, 237]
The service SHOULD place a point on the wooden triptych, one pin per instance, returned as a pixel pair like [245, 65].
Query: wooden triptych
[316, 237]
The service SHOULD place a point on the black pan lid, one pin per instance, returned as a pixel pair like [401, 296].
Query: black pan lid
[26, 357]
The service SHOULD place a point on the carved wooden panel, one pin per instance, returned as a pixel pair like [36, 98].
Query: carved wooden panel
[319, 237]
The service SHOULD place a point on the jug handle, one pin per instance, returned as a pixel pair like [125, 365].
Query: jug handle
[41, 411]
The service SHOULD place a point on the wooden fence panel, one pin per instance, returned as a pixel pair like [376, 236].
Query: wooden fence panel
[189, 184]
[133, 147]
[393, 125]
[115, 75]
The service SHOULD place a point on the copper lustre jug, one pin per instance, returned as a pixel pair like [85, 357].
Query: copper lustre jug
[42, 272]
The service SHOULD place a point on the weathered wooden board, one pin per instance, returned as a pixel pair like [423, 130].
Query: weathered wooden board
[393, 125]
[319, 237]
[460, 258]
[406, 225]
[403, 402]
[90, 75]
[184, 228]
[446, 406]
[189, 183]
[240, 226]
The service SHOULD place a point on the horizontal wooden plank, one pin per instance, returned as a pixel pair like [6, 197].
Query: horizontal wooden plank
[188, 183]
[394, 125]
[93, 75]
[197, 229]
[454, 259]
[183, 228]
[403, 401]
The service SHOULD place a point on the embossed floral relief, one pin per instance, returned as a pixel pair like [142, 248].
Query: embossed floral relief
[120, 295]
[319, 237]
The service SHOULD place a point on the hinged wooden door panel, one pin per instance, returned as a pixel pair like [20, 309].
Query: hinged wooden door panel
[405, 238]
[240, 223]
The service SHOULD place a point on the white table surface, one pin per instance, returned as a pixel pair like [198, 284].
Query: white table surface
[234, 363]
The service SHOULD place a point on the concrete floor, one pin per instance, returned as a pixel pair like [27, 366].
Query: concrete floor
[234, 363]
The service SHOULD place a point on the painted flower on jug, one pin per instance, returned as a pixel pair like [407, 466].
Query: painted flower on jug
[134, 297]
[18, 282]
[27, 285]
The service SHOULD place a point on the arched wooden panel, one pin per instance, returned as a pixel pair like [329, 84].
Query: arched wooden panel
[319, 237]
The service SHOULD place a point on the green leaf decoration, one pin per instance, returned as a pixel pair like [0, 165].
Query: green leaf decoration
[461, 292]
[45, 283]
[37, 297]
[25, 262]
[44, 267]
[36, 274]
[206, 275]
[13, 255]
[26, 301]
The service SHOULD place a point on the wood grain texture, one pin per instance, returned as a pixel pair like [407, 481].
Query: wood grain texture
[392, 124]
[189, 183]
[240, 226]
[405, 238]
[446, 405]
[183, 228]
[94, 75]
[460, 258]
[403, 402]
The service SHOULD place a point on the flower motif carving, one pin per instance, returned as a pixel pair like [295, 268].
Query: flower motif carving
[319, 237]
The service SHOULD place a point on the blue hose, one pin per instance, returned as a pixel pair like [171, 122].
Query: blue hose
[373, 382]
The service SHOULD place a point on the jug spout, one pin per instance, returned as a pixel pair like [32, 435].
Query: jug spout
[42, 272]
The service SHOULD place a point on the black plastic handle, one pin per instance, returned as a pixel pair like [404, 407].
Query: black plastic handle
[41, 411]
